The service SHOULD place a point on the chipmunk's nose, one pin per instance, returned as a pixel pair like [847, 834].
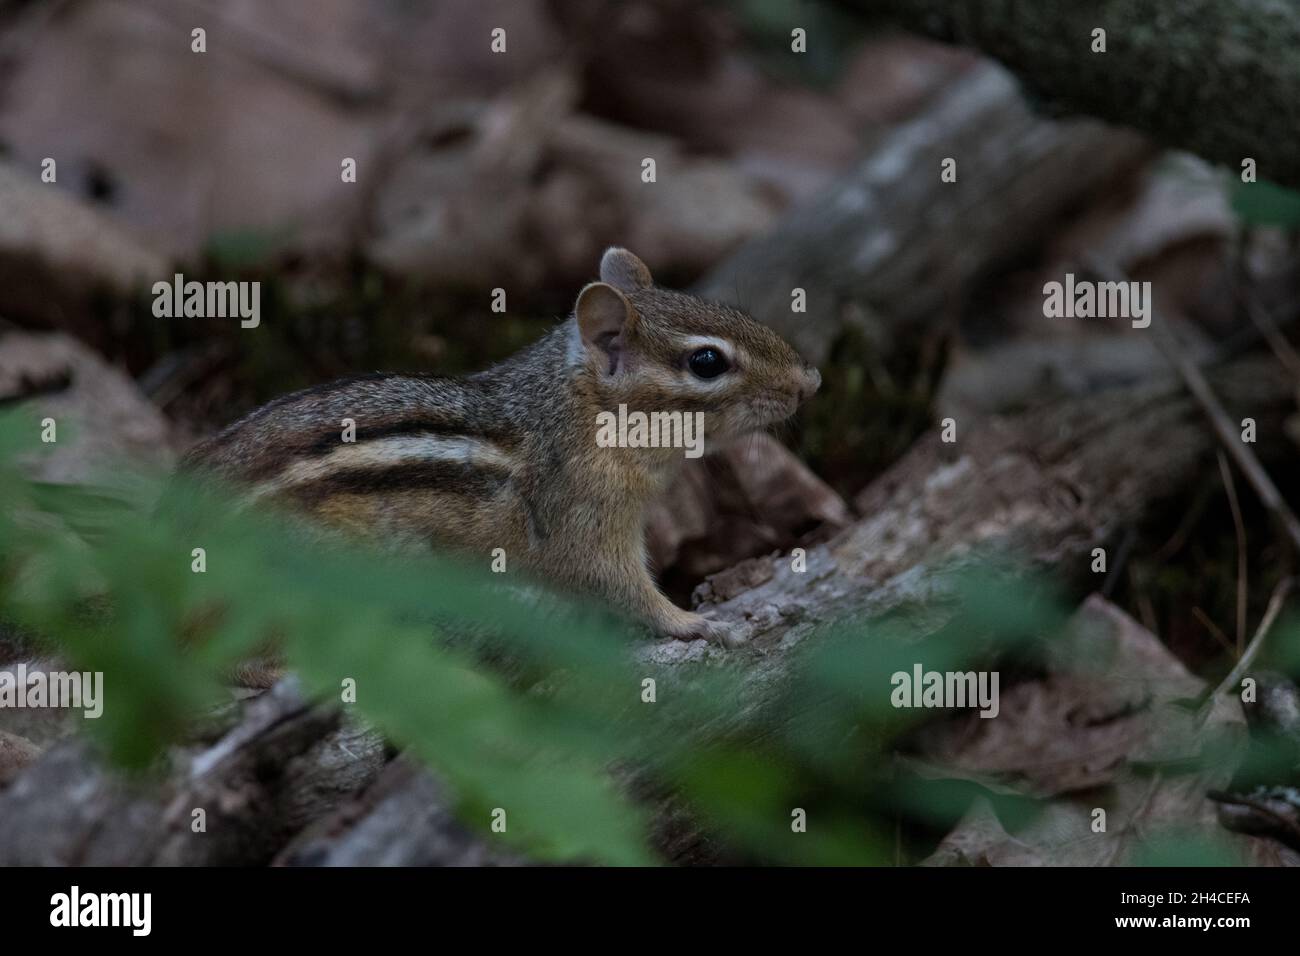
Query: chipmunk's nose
[811, 380]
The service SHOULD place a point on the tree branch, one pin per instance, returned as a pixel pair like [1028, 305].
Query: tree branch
[1219, 78]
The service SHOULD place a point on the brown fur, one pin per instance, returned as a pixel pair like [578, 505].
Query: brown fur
[531, 478]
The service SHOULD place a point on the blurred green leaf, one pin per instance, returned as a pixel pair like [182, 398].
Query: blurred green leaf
[1263, 203]
[519, 699]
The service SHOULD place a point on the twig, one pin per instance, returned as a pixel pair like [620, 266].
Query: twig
[1213, 408]
[1252, 650]
[1240, 526]
[1185, 527]
[1216, 632]
[1227, 433]
[1285, 352]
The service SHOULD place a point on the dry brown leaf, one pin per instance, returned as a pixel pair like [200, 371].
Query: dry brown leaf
[101, 419]
[1106, 729]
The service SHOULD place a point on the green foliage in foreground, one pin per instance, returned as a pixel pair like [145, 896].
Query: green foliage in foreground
[1264, 203]
[517, 699]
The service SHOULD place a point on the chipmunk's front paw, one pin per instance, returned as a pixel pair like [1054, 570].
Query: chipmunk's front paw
[698, 627]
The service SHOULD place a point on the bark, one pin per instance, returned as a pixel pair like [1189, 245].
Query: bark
[1047, 486]
[893, 244]
[403, 819]
[1220, 78]
[283, 764]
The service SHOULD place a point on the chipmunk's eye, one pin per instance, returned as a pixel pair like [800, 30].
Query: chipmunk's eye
[707, 363]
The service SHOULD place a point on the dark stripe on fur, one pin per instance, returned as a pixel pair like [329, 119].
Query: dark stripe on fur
[454, 477]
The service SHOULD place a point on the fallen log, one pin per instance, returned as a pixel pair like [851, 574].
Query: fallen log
[1048, 485]
[402, 819]
[893, 244]
[1216, 77]
[284, 764]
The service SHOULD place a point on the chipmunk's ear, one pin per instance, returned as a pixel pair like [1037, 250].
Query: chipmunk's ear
[604, 318]
[623, 270]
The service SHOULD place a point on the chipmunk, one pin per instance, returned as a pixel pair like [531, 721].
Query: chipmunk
[508, 457]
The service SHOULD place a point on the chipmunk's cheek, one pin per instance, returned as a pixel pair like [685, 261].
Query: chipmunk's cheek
[748, 418]
[788, 403]
[724, 422]
[765, 411]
